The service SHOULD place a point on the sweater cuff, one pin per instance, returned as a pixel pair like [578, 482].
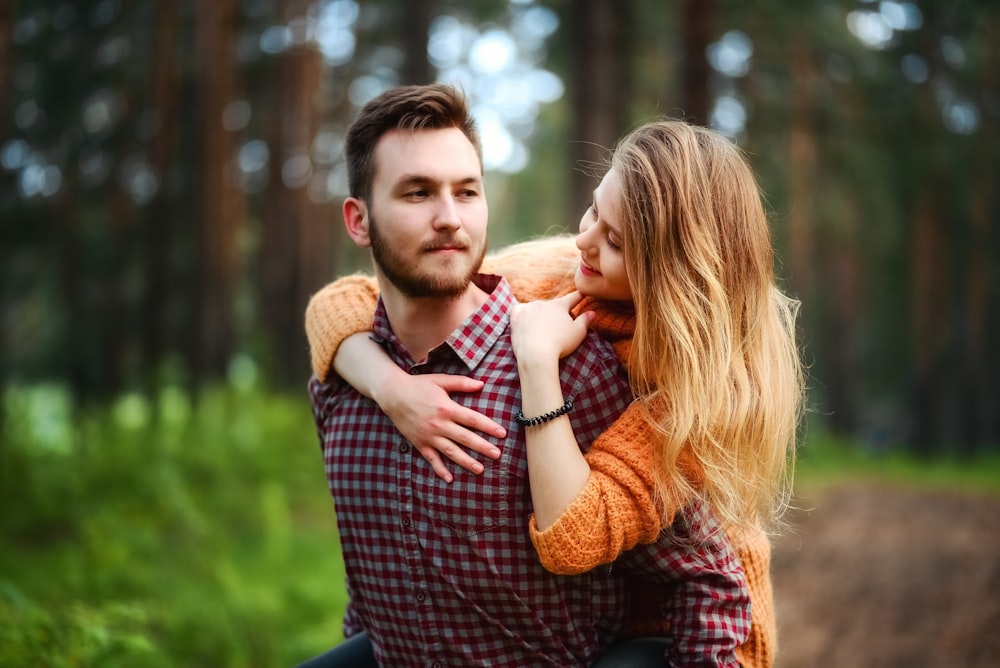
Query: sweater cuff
[566, 547]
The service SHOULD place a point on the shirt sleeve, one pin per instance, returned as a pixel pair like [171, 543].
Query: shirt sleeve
[352, 622]
[706, 598]
[338, 310]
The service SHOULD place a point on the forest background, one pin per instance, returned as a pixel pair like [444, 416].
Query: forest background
[170, 181]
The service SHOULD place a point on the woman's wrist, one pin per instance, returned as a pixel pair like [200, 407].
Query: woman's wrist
[385, 383]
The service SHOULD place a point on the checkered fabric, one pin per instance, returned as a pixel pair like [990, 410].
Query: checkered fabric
[444, 574]
[693, 578]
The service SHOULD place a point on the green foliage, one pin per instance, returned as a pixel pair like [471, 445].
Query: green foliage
[182, 531]
[166, 531]
[826, 459]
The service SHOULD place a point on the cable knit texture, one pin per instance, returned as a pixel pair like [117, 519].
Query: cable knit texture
[616, 510]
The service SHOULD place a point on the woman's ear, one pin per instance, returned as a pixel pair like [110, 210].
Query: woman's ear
[356, 221]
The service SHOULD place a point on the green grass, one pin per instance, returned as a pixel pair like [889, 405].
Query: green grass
[165, 535]
[824, 459]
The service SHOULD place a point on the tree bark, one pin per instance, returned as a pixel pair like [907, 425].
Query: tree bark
[414, 29]
[298, 233]
[599, 87]
[157, 235]
[975, 416]
[802, 173]
[221, 206]
[697, 30]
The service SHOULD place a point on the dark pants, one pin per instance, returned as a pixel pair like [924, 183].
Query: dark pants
[635, 653]
[356, 652]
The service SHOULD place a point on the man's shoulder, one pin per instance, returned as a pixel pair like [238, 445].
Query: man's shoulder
[594, 345]
[594, 363]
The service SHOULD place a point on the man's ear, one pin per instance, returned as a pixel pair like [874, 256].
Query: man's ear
[356, 221]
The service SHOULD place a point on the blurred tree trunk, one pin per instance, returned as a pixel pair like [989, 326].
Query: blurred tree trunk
[6, 67]
[697, 31]
[801, 219]
[6, 64]
[930, 250]
[842, 275]
[298, 233]
[414, 29]
[221, 205]
[157, 235]
[975, 407]
[599, 86]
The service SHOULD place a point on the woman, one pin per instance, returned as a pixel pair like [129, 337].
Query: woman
[674, 261]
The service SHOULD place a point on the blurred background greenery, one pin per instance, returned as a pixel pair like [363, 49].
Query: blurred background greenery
[170, 179]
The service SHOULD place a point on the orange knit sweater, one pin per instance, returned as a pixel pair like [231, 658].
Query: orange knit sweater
[616, 510]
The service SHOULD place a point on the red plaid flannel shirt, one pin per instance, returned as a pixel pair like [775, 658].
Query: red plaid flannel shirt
[444, 574]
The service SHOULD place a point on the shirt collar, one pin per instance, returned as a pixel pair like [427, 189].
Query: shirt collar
[470, 341]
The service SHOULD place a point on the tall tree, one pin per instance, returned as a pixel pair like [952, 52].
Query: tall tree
[163, 97]
[297, 240]
[221, 206]
[414, 28]
[697, 32]
[802, 160]
[930, 244]
[978, 426]
[598, 85]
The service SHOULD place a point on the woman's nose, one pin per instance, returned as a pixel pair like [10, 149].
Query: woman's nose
[583, 239]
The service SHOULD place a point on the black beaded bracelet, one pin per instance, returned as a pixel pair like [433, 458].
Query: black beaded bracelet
[542, 419]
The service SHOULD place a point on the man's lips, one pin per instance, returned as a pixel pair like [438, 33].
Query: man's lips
[445, 248]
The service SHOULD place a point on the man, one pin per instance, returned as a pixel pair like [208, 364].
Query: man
[444, 574]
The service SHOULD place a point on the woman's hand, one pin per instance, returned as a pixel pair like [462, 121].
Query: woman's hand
[422, 409]
[544, 331]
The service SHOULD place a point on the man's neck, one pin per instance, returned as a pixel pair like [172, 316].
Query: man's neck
[423, 323]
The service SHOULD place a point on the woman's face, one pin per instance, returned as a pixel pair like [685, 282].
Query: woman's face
[601, 273]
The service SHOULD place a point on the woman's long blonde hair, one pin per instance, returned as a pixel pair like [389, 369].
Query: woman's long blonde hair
[714, 356]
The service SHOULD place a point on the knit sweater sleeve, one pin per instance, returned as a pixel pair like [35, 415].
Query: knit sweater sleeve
[339, 309]
[539, 269]
[615, 510]
[762, 644]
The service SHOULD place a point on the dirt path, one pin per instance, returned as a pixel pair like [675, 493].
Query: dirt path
[875, 576]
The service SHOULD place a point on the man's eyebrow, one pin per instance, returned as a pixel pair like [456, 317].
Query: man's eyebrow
[415, 180]
[407, 180]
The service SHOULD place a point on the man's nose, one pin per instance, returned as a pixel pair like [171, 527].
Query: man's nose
[447, 215]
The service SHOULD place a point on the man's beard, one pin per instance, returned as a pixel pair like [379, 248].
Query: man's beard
[407, 280]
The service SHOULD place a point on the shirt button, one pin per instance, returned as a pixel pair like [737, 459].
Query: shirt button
[406, 521]
[421, 596]
[437, 664]
[404, 447]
